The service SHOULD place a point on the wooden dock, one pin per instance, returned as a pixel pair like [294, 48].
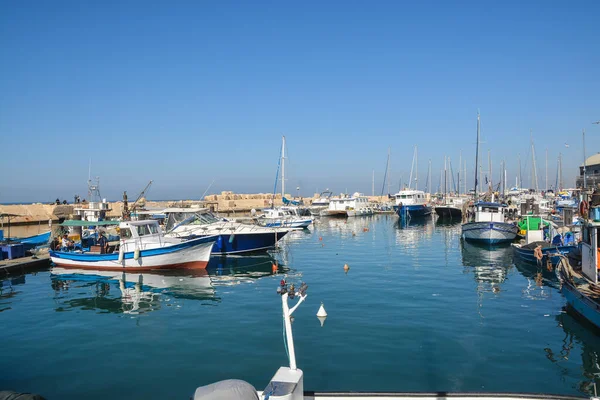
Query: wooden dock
[23, 265]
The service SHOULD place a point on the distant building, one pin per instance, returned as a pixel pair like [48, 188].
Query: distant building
[592, 172]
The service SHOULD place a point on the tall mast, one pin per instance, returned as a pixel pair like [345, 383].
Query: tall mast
[412, 165]
[445, 180]
[477, 155]
[389, 177]
[416, 168]
[520, 185]
[560, 178]
[491, 186]
[373, 185]
[283, 166]
[429, 178]
[546, 169]
[459, 167]
[465, 177]
[534, 169]
[584, 174]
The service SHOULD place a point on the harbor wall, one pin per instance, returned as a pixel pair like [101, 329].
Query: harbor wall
[227, 203]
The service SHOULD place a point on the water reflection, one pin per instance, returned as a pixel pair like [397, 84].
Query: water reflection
[411, 233]
[345, 227]
[136, 293]
[489, 265]
[540, 280]
[8, 291]
[584, 338]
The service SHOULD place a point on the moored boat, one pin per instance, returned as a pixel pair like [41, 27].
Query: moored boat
[488, 224]
[411, 204]
[348, 206]
[580, 286]
[233, 237]
[142, 247]
[31, 242]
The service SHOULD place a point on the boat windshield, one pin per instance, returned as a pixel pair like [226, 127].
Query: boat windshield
[189, 218]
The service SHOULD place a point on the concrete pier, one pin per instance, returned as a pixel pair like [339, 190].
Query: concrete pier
[24, 265]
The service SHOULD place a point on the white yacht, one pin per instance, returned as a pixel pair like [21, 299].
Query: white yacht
[348, 206]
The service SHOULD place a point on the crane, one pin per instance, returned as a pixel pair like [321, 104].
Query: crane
[126, 210]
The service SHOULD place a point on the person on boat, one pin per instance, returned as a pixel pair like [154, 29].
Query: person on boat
[103, 242]
[67, 244]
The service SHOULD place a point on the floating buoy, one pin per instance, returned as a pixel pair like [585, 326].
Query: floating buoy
[353, 234]
[320, 238]
[321, 312]
[346, 268]
[322, 320]
[136, 254]
[121, 254]
[365, 229]
[322, 244]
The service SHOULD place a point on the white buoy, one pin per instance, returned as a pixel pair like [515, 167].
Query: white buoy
[322, 320]
[136, 254]
[321, 312]
[121, 254]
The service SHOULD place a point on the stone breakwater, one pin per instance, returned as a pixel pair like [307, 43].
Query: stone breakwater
[226, 203]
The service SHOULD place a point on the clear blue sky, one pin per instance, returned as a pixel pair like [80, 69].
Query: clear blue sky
[188, 92]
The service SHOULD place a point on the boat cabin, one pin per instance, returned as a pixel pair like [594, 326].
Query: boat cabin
[489, 212]
[590, 259]
[409, 197]
[140, 235]
[343, 203]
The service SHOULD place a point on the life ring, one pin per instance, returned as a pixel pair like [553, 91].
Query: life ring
[584, 208]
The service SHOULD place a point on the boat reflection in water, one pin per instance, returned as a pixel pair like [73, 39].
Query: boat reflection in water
[489, 264]
[8, 291]
[581, 337]
[136, 293]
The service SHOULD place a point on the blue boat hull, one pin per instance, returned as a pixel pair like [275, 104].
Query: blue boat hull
[245, 243]
[33, 241]
[412, 211]
[582, 304]
[527, 254]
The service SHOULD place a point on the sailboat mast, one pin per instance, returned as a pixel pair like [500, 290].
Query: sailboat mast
[388, 173]
[560, 178]
[429, 178]
[491, 186]
[283, 167]
[416, 168]
[412, 165]
[445, 180]
[546, 169]
[534, 169]
[465, 177]
[520, 185]
[459, 166]
[584, 173]
[477, 155]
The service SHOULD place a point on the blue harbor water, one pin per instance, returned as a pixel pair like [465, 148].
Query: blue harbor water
[418, 310]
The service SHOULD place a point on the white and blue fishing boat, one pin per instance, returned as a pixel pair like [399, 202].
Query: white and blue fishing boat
[142, 247]
[411, 204]
[233, 237]
[580, 287]
[488, 225]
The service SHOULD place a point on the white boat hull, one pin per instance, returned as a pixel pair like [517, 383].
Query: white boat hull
[195, 256]
[489, 232]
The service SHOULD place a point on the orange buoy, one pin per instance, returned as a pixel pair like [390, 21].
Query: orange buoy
[274, 268]
[320, 237]
[365, 229]
[346, 268]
